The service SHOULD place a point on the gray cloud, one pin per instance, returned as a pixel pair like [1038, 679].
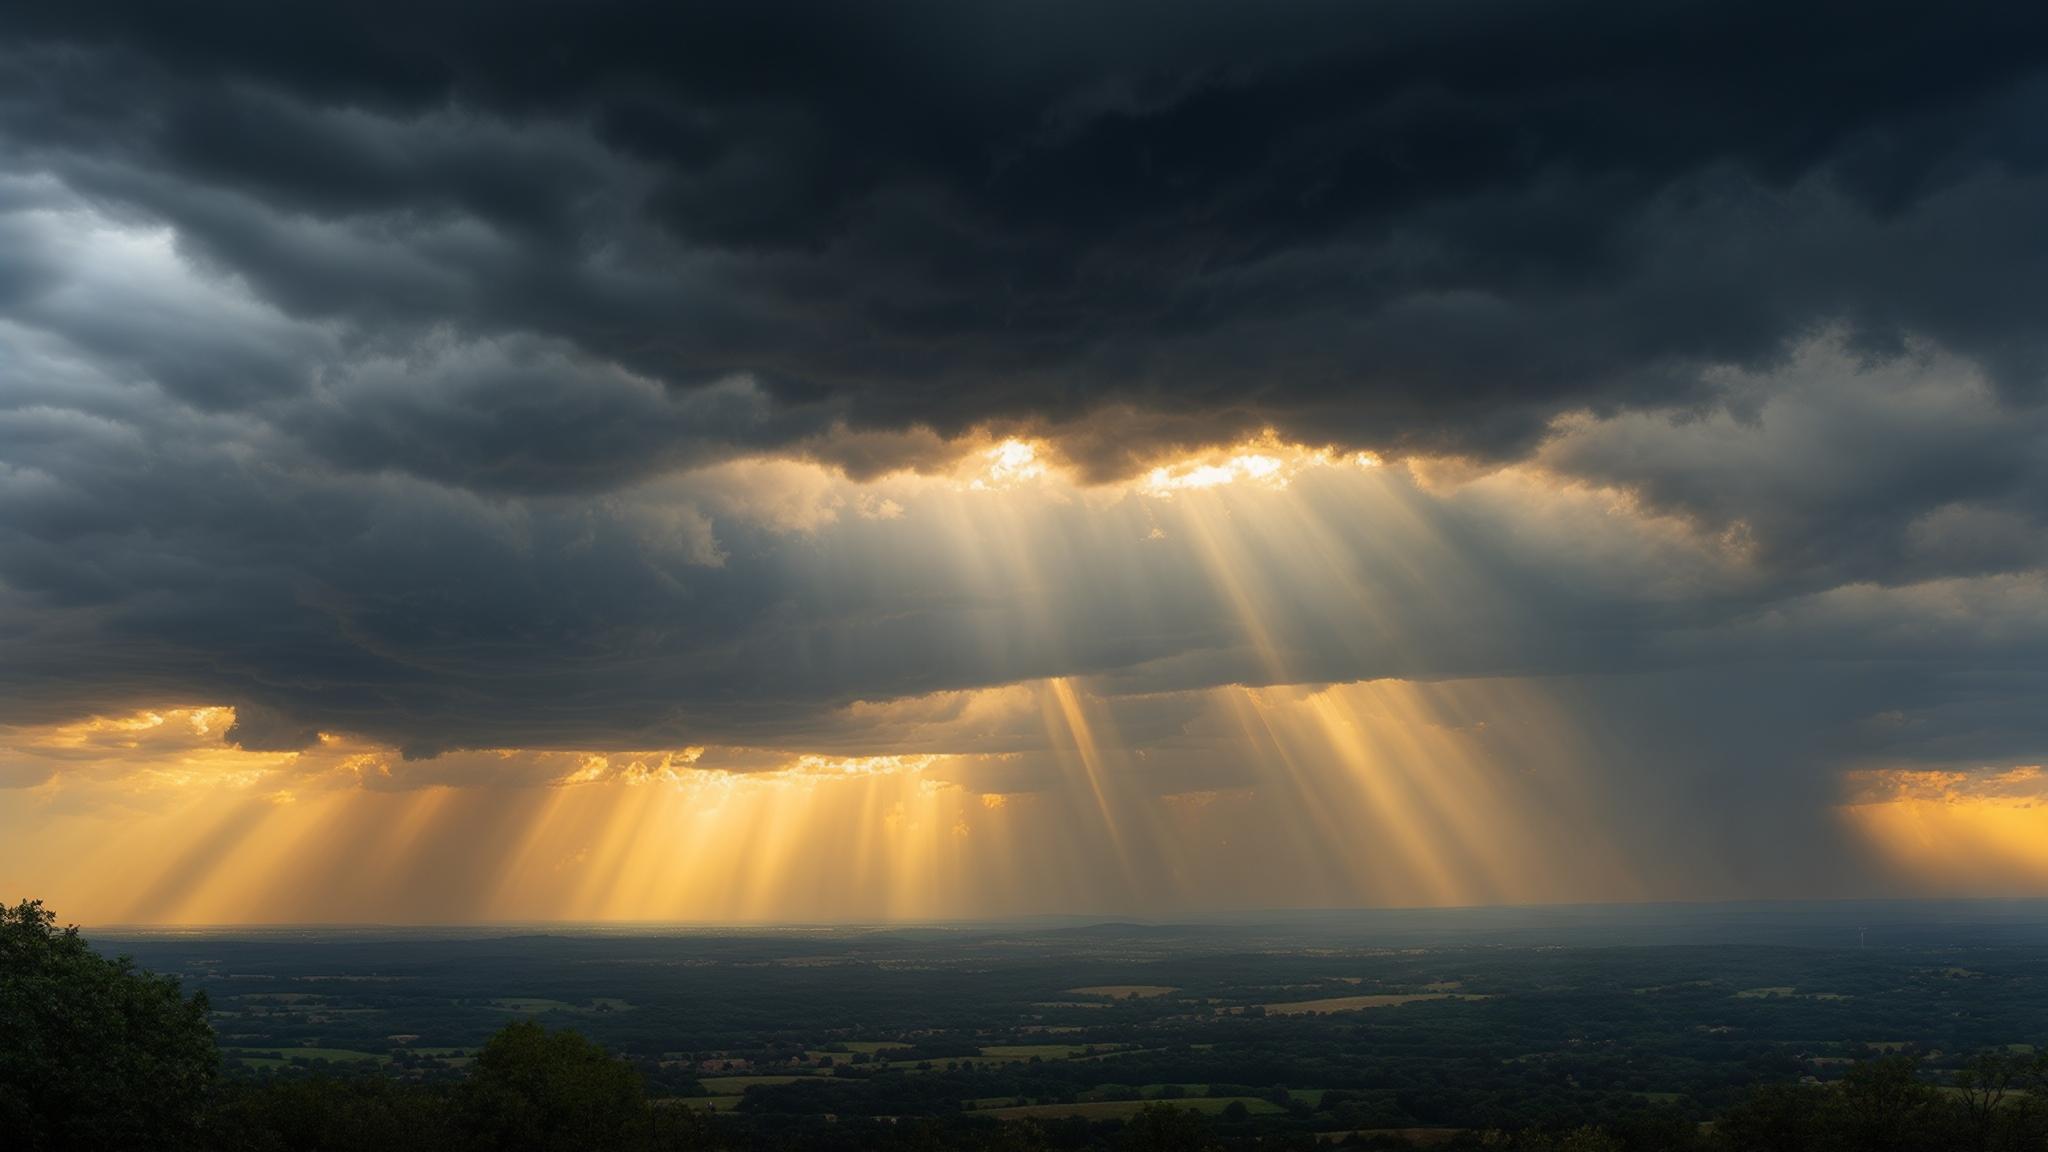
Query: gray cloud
[1435, 227]
[426, 380]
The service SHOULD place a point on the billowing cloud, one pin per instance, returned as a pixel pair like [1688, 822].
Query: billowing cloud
[632, 393]
[1429, 226]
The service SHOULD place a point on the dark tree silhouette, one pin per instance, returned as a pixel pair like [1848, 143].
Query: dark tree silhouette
[1165, 1128]
[532, 1090]
[94, 1053]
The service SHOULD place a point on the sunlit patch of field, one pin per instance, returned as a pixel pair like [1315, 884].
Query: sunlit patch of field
[1123, 1109]
[1124, 991]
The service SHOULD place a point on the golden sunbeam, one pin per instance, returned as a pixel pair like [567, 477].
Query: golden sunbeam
[1371, 793]
[1947, 832]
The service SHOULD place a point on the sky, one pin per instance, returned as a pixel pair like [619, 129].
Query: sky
[802, 461]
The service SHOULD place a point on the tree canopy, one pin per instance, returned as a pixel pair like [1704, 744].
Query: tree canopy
[94, 1053]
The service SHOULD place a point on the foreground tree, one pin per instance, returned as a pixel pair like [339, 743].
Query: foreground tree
[532, 1090]
[94, 1053]
[1775, 1118]
[331, 1114]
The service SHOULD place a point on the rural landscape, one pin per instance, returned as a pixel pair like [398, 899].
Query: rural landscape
[1872, 1027]
[1023, 575]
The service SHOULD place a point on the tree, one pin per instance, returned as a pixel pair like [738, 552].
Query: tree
[355, 1113]
[1885, 1107]
[1165, 1128]
[1774, 1118]
[1585, 1139]
[1982, 1086]
[94, 1053]
[532, 1090]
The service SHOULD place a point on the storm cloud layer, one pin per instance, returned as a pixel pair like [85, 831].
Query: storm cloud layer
[1415, 225]
[632, 375]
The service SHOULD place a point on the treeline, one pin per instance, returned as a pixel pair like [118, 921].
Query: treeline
[96, 1054]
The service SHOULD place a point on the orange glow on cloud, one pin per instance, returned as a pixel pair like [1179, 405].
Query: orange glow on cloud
[1104, 794]
[1947, 832]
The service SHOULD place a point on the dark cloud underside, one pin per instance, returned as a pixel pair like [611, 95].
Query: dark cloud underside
[401, 372]
[1392, 224]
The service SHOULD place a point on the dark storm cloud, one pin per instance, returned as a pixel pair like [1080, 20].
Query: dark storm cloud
[1409, 224]
[350, 367]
